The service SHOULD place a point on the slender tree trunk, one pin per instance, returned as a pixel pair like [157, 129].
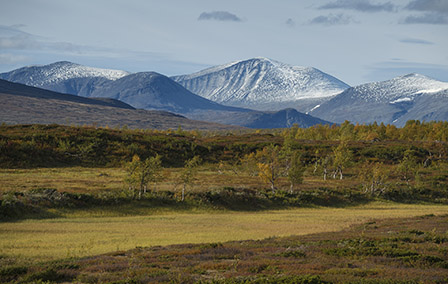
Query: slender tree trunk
[132, 191]
[325, 173]
[183, 192]
[142, 185]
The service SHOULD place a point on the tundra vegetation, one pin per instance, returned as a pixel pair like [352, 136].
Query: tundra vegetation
[120, 186]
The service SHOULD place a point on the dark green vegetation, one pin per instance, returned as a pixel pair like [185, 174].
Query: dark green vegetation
[35, 203]
[55, 145]
[302, 167]
[410, 250]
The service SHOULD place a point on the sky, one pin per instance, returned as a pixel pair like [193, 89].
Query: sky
[356, 41]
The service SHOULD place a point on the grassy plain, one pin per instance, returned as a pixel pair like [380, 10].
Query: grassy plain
[78, 234]
[69, 179]
[398, 251]
[94, 180]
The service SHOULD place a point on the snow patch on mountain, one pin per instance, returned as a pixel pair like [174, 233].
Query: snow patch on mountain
[313, 108]
[401, 100]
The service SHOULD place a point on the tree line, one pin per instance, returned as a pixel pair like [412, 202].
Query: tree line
[289, 161]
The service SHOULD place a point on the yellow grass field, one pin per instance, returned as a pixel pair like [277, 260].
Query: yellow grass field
[81, 235]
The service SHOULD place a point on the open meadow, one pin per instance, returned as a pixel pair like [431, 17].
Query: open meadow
[78, 234]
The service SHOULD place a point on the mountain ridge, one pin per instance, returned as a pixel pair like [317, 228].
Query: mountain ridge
[151, 90]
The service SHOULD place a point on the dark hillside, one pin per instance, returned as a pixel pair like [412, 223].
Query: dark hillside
[22, 104]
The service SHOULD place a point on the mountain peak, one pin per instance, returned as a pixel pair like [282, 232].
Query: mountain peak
[410, 75]
[259, 82]
[45, 75]
[56, 64]
[399, 87]
[261, 58]
[61, 63]
[258, 59]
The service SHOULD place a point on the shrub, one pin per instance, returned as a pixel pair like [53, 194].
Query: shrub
[293, 253]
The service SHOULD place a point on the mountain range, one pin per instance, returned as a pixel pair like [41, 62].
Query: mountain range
[149, 90]
[228, 94]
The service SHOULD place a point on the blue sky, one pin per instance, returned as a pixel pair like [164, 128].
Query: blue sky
[357, 41]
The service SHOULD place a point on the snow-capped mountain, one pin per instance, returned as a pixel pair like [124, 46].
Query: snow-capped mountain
[263, 84]
[59, 71]
[411, 96]
[148, 90]
[64, 77]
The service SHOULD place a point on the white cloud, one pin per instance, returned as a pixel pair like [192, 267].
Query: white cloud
[290, 22]
[360, 5]
[331, 20]
[416, 41]
[427, 18]
[438, 6]
[219, 16]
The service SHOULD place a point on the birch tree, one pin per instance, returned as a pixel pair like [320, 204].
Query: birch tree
[188, 174]
[269, 165]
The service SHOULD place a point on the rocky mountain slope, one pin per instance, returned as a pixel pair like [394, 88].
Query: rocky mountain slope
[263, 84]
